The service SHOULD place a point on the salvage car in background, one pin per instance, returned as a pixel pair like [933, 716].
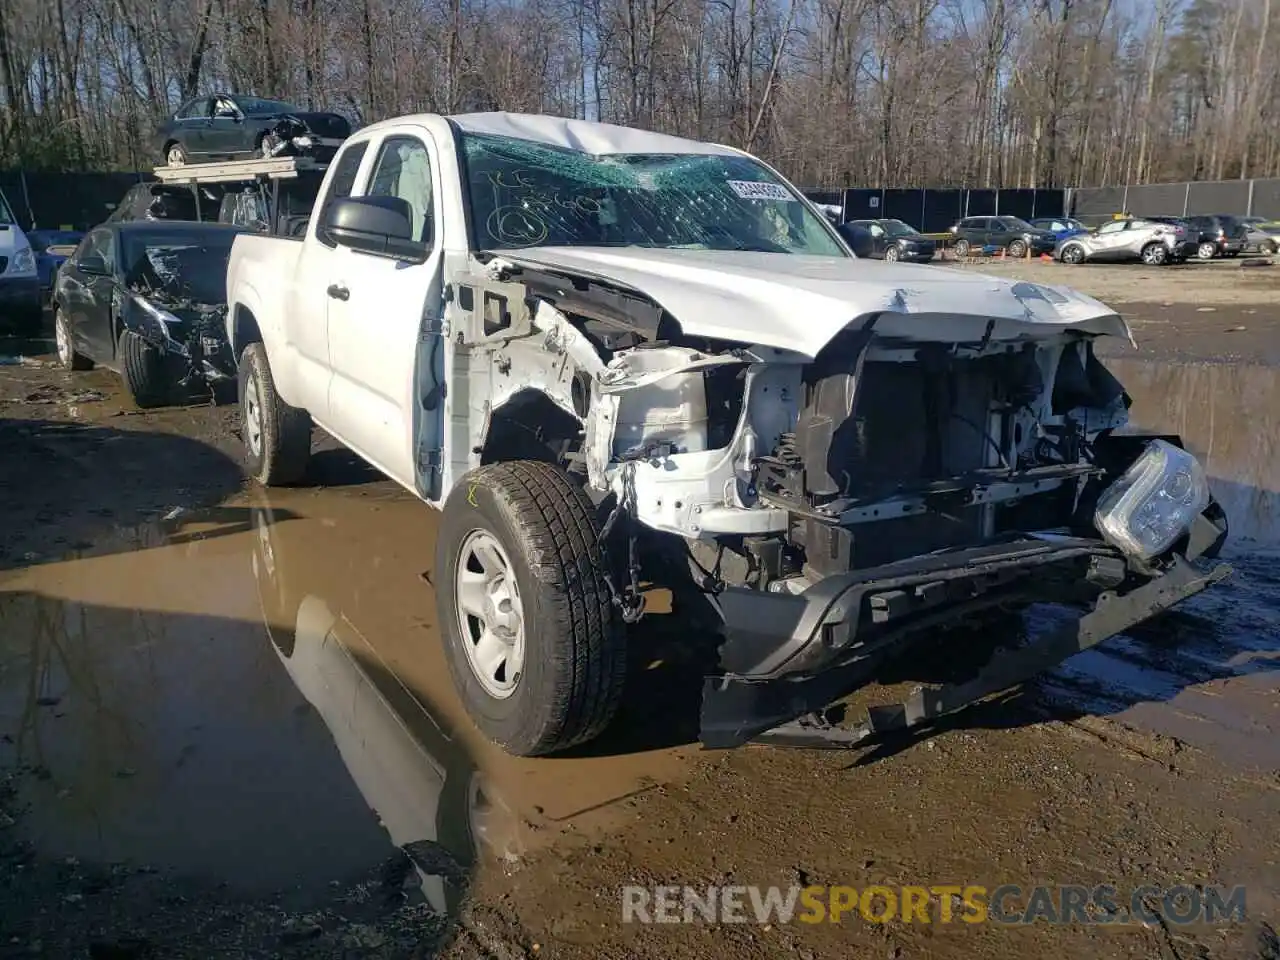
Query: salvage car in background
[51, 248]
[162, 201]
[1061, 227]
[148, 300]
[528, 321]
[1262, 235]
[21, 306]
[1150, 241]
[1001, 233]
[230, 127]
[1220, 235]
[889, 240]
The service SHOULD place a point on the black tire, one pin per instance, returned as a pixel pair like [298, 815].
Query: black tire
[1073, 253]
[72, 359]
[142, 366]
[175, 154]
[1018, 249]
[962, 249]
[283, 445]
[574, 658]
[1155, 254]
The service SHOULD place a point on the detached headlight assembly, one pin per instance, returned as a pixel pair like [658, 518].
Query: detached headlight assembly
[1154, 502]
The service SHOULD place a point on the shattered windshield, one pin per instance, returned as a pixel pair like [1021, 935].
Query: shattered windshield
[178, 266]
[527, 194]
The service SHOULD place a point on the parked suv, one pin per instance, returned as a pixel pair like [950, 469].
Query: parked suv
[1153, 242]
[1220, 235]
[1011, 233]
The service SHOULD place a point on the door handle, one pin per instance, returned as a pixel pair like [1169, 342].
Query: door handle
[339, 292]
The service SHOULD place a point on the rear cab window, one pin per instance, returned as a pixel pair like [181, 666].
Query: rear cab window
[345, 168]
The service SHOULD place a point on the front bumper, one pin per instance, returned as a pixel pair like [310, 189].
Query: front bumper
[20, 296]
[787, 657]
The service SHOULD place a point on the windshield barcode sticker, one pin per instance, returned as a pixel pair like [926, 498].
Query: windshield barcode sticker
[756, 190]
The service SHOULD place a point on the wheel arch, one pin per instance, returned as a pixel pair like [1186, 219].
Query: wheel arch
[243, 329]
[531, 424]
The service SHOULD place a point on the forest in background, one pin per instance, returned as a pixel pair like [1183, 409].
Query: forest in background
[895, 93]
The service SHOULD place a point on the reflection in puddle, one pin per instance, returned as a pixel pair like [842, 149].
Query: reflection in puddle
[166, 727]
[1206, 672]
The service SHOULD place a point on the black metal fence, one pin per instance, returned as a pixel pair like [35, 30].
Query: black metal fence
[933, 211]
[1258, 198]
[76, 201]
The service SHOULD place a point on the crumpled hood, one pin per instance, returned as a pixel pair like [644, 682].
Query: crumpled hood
[800, 303]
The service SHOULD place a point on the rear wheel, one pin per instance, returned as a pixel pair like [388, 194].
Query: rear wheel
[1206, 250]
[143, 368]
[277, 437]
[962, 249]
[534, 645]
[68, 356]
[1018, 249]
[1155, 254]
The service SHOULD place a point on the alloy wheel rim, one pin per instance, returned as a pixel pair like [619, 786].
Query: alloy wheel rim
[62, 337]
[175, 157]
[253, 417]
[490, 615]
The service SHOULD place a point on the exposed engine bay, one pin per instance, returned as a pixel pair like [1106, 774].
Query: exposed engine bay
[165, 310]
[827, 506]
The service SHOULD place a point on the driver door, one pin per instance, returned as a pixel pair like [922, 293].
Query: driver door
[89, 298]
[374, 337]
[1110, 240]
[879, 241]
[225, 134]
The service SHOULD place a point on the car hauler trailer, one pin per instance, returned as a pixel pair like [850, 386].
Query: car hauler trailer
[275, 195]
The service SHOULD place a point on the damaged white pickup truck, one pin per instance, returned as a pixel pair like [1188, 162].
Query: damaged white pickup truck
[618, 360]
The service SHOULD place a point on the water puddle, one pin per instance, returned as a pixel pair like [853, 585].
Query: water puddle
[256, 695]
[1207, 672]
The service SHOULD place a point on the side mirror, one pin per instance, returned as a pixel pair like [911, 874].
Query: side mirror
[93, 266]
[382, 226]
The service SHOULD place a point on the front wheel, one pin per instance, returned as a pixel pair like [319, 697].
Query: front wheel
[1018, 249]
[892, 254]
[1073, 254]
[1155, 254]
[1206, 250]
[175, 155]
[962, 249]
[143, 369]
[534, 645]
[68, 355]
[277, 437]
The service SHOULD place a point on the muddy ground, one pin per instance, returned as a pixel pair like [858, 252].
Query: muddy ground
[205, 694]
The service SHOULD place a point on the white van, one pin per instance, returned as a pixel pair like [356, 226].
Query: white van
[20, 305]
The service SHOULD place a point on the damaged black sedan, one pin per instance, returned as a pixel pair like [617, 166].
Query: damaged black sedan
[148, 299]
[234, 127]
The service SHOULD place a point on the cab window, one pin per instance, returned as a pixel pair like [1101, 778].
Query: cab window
[345, 168]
